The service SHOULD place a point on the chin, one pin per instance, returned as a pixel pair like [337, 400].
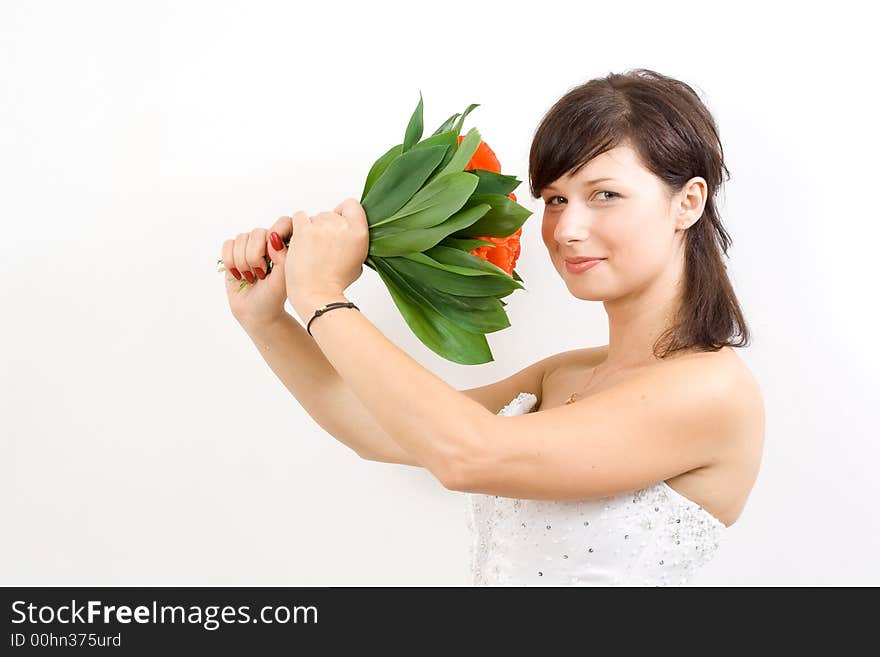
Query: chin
[586, 296]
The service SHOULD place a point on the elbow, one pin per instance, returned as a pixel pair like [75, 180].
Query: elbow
[452, 476]
[366, 457]
[460, 468]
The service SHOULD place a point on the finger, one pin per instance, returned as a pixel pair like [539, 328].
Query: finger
[281, 231]
[256, 252]
[239, 252]
[300, 216]
[300, 221]
[284, 228]
[228, 262]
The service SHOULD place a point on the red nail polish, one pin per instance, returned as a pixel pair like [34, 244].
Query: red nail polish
[276, 241]
[250, 277]
[260, 274]
[235, 273]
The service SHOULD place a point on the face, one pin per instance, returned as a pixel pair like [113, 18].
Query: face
[628, 220]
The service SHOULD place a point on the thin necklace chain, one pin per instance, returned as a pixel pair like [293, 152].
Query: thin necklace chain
[574, 396]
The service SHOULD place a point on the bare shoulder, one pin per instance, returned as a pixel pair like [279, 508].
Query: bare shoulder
[721, 373]
[734, 376]
[725, 373]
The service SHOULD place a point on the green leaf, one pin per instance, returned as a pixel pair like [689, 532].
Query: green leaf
[463, 154]
[460, 123]
[494, 183]
[448, 125]
[424, 259]
[419, 239]
[404, 177]
[437, 333]
[465, 245]
[455, 258]
[478, 314]
[435, 202]
[504, 219]
[516, 276]
[453, 279]
[448, 139]
[379, 167]
[415, 126]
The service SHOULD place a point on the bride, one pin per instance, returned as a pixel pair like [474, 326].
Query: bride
[621, 464]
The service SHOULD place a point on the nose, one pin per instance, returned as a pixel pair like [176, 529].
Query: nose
[571, 226]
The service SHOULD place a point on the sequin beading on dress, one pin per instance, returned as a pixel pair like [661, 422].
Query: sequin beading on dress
[651, 537]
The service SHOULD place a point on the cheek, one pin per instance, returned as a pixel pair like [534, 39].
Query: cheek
[622, 237]
[641, 253]
[549, 240]
[547, 226]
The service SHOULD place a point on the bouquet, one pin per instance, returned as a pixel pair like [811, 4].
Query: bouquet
[444, 236]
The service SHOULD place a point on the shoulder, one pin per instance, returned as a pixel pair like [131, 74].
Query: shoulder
[724, 381]
[727, 370]
[721, 376]
[713, 386]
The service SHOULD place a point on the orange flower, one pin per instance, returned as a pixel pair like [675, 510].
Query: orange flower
[484, 158]
[506, 249]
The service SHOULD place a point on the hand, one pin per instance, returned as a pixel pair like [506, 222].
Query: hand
[261, 300]
[327, 252]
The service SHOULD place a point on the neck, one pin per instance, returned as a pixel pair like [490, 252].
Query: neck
[636, 321]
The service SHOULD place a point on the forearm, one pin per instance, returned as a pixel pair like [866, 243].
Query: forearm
[427, 417]
[301, 366]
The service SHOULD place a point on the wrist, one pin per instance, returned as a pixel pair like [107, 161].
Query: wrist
[264, 326]
[306, 304]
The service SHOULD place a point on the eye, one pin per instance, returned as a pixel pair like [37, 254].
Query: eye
[613, 194]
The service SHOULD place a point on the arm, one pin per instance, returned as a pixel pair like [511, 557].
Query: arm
[301, 366]
[428, 418]
[677, 417]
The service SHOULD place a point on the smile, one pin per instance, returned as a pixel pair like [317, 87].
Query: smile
[577, 268]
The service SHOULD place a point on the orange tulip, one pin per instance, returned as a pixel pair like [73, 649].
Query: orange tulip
[506, 250]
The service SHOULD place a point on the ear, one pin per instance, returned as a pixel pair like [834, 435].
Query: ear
[693, 201]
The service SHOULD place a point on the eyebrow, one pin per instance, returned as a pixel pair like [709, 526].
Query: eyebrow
[586, 183]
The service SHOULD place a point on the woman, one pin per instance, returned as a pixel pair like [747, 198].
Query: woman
[615, 465]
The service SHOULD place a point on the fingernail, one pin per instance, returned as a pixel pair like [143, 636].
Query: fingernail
[260, 274]
[276, 241]
[235, 272]
[250, 277]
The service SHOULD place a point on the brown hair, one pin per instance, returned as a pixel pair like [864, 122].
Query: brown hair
[676, 138]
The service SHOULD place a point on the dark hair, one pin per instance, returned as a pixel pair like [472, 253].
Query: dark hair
[676, 138]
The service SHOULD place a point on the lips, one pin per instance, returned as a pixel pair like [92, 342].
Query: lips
[575, 261]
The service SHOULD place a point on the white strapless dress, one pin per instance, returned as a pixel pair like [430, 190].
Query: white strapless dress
[651, 537]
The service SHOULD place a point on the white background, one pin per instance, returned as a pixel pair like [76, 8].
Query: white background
[145, 441]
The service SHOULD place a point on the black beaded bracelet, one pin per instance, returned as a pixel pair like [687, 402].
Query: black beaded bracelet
[330, 306]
